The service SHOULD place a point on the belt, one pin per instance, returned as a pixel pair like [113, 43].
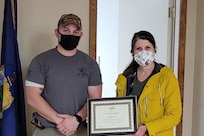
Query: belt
[37, 123]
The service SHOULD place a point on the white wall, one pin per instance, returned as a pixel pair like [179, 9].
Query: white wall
[198, 101]
[107, 43]
[189, 69]
[193, 118]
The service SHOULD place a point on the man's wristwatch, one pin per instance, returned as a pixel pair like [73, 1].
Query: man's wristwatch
[78, 118]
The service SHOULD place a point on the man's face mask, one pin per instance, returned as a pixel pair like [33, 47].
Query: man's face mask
[69, 42]
[143, 58]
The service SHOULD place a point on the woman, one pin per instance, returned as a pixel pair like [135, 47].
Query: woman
[156, 87]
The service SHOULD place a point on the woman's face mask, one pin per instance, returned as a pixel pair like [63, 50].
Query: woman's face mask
[143, 58]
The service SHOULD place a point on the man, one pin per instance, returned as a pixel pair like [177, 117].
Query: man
[59, 81]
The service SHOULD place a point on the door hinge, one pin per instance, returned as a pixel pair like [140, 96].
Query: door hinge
[172, 12]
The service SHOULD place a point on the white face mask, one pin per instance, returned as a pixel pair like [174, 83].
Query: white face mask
[143, 58]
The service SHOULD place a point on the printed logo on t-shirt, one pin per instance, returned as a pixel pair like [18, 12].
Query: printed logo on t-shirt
[82, 72]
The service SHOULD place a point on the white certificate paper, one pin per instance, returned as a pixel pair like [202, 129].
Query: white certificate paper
[112, 116]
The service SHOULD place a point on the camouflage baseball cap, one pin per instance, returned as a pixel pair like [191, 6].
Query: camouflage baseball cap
[70, 19]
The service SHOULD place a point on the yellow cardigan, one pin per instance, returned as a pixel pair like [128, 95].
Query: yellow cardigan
[159, 106]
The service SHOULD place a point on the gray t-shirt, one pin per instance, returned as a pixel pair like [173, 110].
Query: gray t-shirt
[65, 80]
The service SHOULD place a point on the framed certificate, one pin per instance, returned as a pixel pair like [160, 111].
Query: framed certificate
[112, 116]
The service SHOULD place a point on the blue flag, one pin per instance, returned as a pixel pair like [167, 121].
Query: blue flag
[13, 122]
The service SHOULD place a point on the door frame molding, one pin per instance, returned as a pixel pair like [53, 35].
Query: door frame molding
[181, 50]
